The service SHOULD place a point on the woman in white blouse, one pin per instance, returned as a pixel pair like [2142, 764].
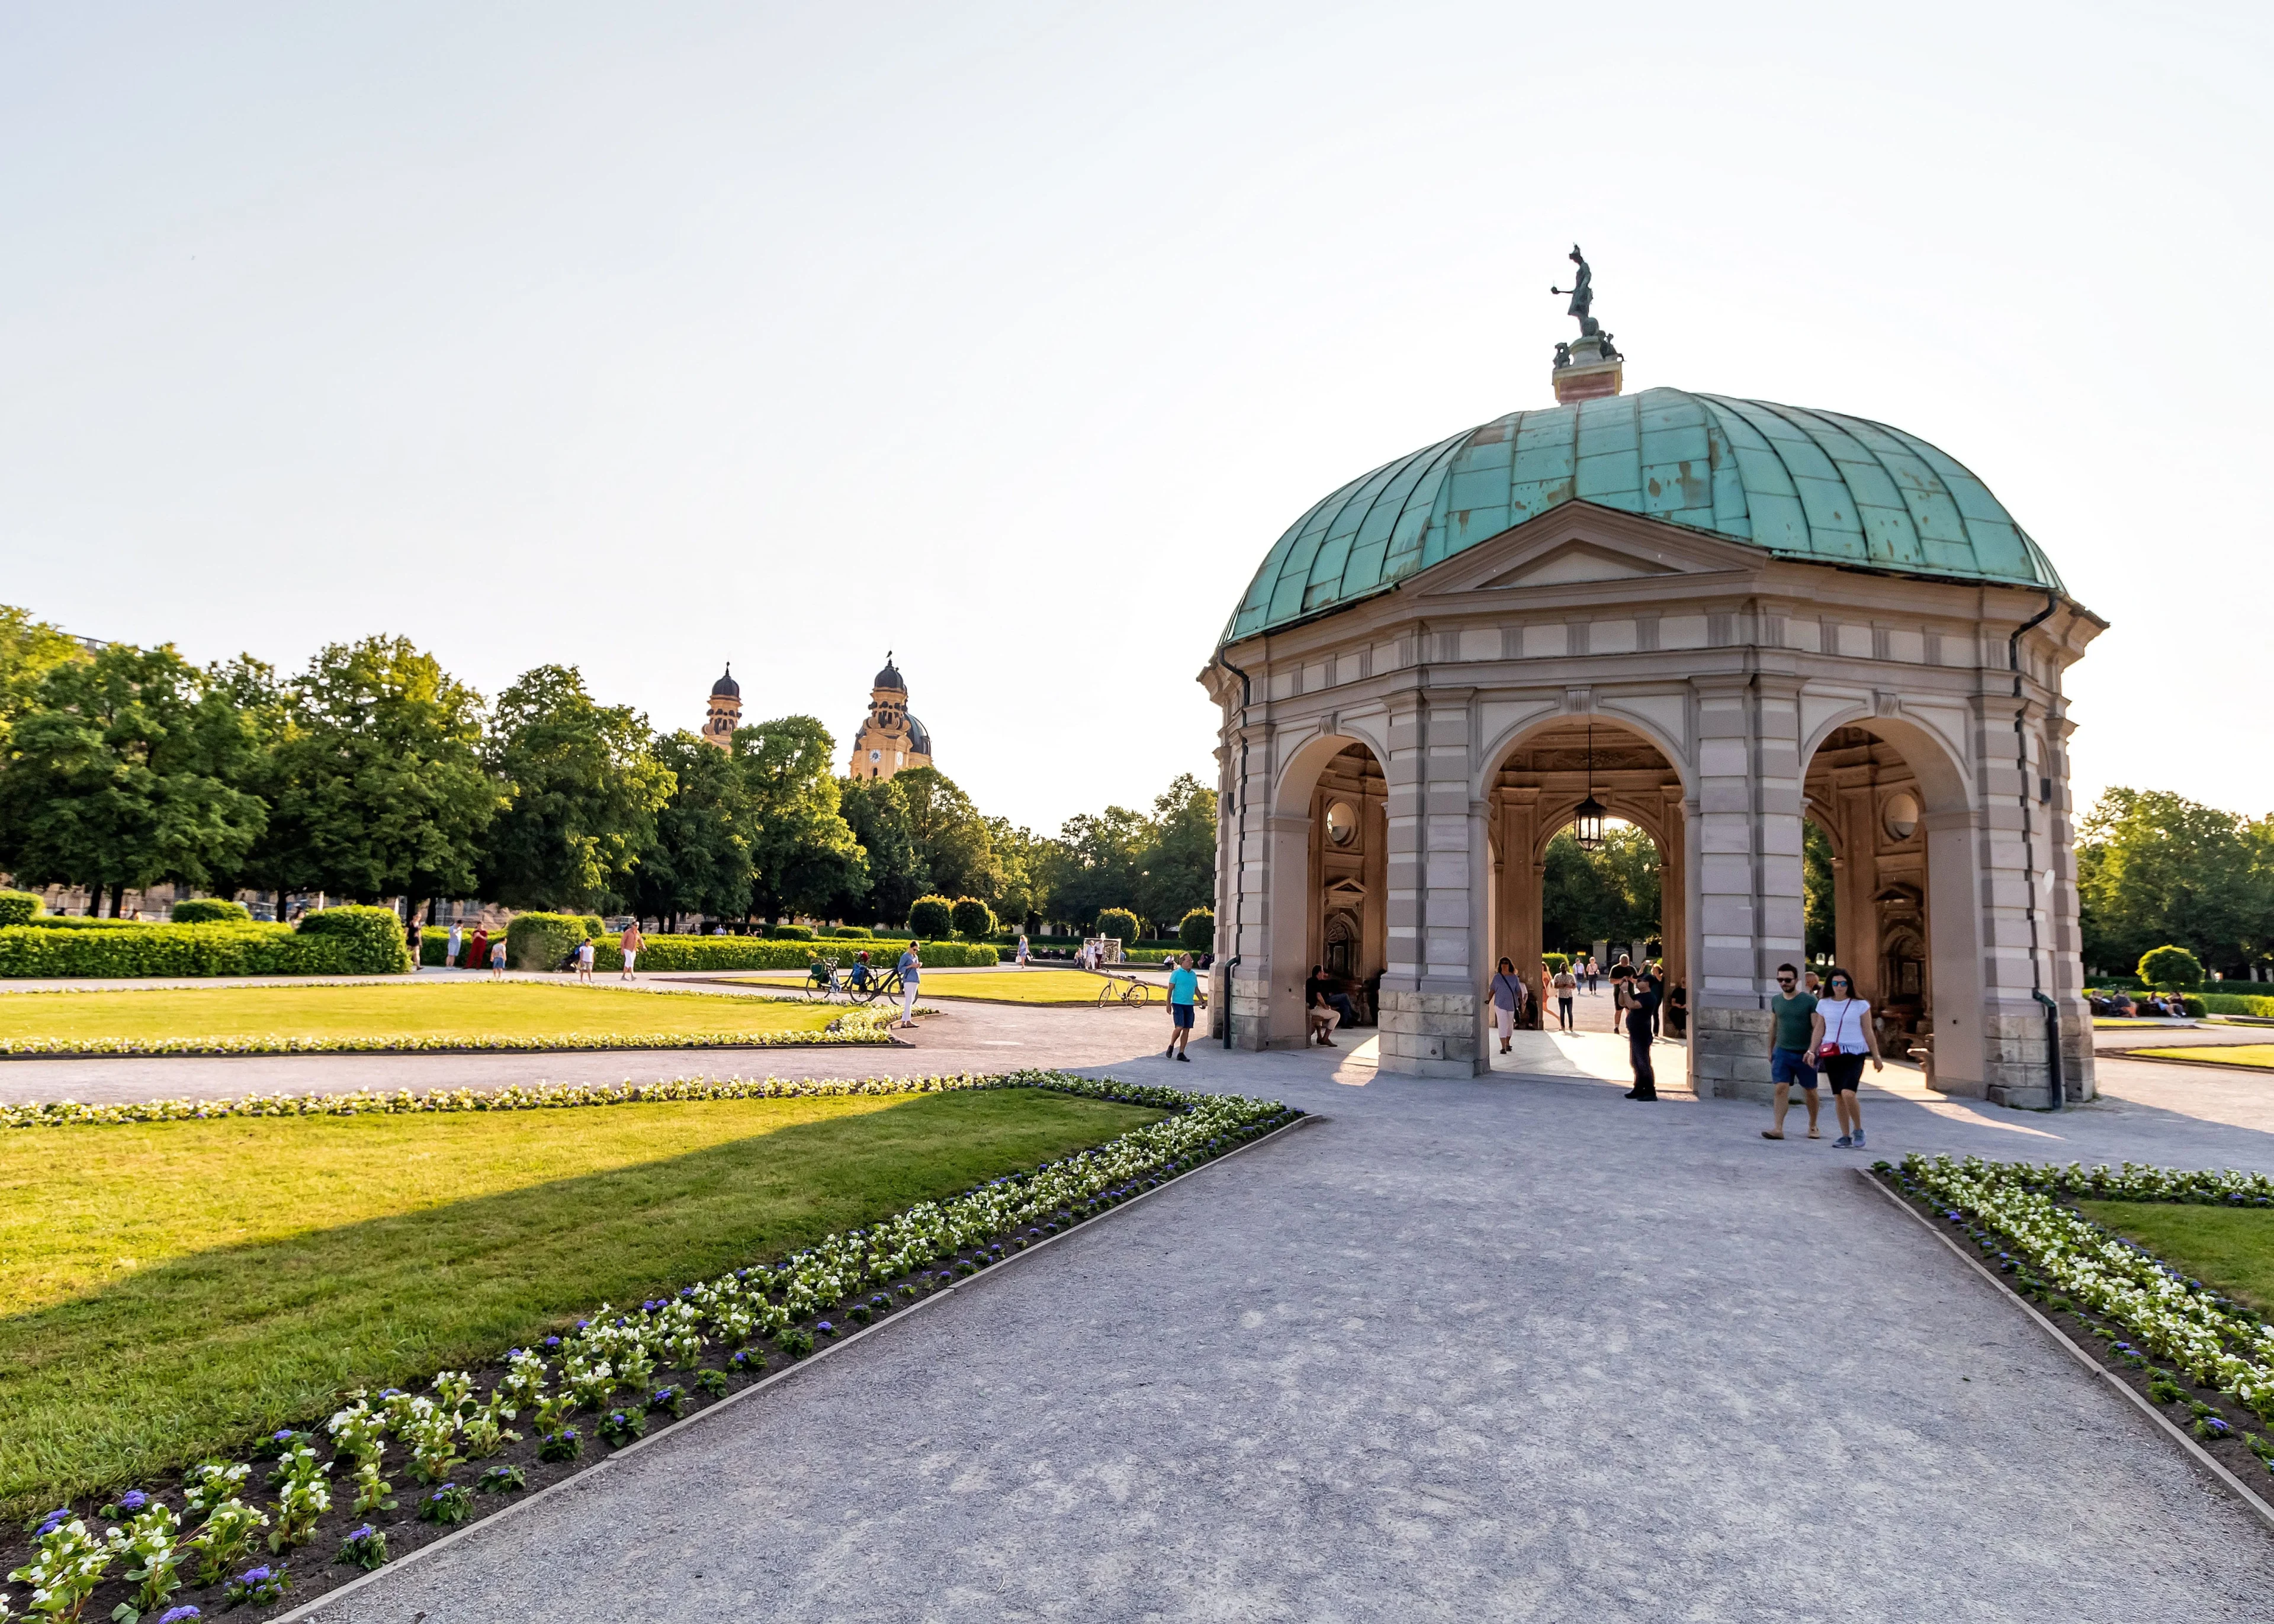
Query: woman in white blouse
[1843, 1035]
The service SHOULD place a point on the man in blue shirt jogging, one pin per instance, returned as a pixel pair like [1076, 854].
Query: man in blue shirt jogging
[1184, 990]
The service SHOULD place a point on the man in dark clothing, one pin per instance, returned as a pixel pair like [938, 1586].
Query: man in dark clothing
[1642, 1009]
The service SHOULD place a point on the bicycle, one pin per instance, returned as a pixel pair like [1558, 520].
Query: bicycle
[1132, 992]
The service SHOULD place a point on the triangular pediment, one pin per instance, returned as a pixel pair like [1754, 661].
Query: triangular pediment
[1578, 548]
[1578, 560]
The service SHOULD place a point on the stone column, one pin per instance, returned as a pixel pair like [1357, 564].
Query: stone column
[1244, 923]
[1673, 886]
[1749, 880]
[1432, 1021]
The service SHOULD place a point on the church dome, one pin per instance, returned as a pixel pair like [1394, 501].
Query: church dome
[919, 738]
[1797, 484]
[726, 686]
[890, 677]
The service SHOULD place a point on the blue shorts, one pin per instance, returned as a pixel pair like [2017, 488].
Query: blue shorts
[1790, 1065]
[1182, 1014]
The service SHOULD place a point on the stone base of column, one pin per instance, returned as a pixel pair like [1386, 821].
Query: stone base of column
[1249, 1014]
[2015, 1072]
[1430, 1034]
[1729, 1054]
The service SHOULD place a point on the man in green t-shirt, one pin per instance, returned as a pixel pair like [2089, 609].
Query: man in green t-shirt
[1790, 1060]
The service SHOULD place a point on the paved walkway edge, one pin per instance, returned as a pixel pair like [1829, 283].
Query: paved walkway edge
[2202, 1457]
[309, 1609]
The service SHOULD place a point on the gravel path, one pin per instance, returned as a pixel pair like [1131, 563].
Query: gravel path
[1501, 1350]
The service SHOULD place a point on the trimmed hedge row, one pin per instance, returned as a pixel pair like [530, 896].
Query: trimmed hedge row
[348, 941]
[758, 953]
[2233, 1003]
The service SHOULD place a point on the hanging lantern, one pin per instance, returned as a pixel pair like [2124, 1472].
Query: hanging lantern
[1589, 814]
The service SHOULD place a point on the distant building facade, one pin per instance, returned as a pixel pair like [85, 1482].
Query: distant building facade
[725, 711]
[890, 741]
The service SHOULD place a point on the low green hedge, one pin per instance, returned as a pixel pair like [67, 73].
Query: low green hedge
[132, 950]
[371, 938]
[211, 910]
[758, 953]
[538, 941]
[2232, 1004]
[19, 907]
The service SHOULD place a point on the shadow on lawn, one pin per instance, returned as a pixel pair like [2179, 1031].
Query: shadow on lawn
[207, 1351]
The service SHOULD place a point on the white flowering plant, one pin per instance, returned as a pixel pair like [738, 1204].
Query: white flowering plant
[2145, 1310]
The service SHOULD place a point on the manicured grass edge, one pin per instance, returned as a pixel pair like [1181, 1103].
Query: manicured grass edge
[2165, 1056]
[851, 1029]
[1879, 1177]
[584, 1476]
[984, 1221]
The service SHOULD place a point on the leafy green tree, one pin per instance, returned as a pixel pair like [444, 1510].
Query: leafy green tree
[952, 840]
[802, 853]
[29, 650]
[1104, 853]
[1196, 931]
[1177, 868]
[974, 920]
[1118, 923]
[2171, 968]
[876, 812]
[123, 773]
[2153, 868]
[584, 787]
[932, 918]
[1820, 924]
[1607, 895]
[1022, 859]
[700, 861]
[373, 774]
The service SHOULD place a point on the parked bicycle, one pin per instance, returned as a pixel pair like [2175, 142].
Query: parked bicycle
[857, 983]
[1124, 989]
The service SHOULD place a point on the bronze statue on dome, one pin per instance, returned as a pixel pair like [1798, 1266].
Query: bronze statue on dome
[1583, 295]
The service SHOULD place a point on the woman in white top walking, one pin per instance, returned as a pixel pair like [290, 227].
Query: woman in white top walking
[1843, 1037]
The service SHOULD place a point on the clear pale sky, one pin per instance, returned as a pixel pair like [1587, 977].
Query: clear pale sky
[1010, 338]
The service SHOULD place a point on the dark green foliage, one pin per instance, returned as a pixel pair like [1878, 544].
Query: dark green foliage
[537, 941]
[1118, 923]
[1821, 926]
[2170, 967]
[1177, 868]
[699, 861]
[931, 917]
[20, 907]
[124, 772]
[2155, 867]
[373, 775]
[585, 788]
[129, 949]
[211, 910]
[802, 854]
[1607, 895]
[1196, 931]
[790, 933]
[974, 920]
[860, 932]
[876, 812]
[372, 937]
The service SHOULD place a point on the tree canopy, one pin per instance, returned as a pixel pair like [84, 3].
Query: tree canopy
[2154, 867]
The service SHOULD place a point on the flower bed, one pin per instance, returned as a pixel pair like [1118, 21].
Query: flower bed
[391, 1470]
[2206, 1360]
[855, 1027]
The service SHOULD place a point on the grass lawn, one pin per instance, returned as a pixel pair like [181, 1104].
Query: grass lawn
[2224, 1054]
[467, 1010]
[997, 986]
[2230, 1248]
[170, 1289]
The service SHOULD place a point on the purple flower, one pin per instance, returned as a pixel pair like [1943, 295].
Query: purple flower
[552, 1341]
[132, 1501]
[55, 1520]
[253, 1576]
[281, 1435]
[181, 1615]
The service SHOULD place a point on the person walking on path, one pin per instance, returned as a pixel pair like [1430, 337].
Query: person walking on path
[1593, 976]
[1184, 992]
[414, 939]
[497, 960]
[1642, 1004]
[911, 967]
[478, 949]
[1792, 1043]
[584, 961]
[1566, 984]
[1021, 959]
[1507, 999]
[631, 942]
[1842, 1036]
[451, 948]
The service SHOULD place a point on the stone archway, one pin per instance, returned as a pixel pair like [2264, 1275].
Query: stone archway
[1895, 812]
[1535, 791]
[1328, 824]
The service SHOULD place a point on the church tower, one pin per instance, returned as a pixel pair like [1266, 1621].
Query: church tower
[891, 740]
[726, 713]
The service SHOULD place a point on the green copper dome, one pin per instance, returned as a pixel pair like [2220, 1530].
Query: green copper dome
[1813, 486]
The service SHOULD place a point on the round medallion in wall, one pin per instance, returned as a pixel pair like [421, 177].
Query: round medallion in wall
[1901, 814]
[1342, 822]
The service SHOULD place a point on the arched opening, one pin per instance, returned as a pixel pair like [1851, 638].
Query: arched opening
[1639, 879]
[1347, 934]
[1885, 868]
